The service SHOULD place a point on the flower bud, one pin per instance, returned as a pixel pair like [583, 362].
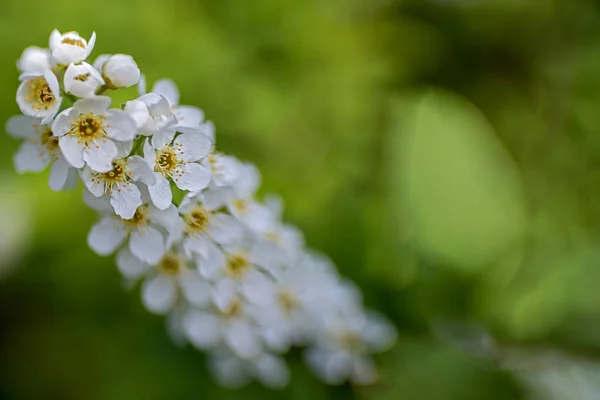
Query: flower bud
[70, 47]
[34, 59]
[120, 71]
[82, 80]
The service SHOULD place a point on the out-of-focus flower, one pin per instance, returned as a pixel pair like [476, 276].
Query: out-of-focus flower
[34, 59]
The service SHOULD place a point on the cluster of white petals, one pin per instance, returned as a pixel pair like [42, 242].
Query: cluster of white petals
[233, 279]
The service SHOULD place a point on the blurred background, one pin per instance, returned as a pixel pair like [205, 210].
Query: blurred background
[444, 153]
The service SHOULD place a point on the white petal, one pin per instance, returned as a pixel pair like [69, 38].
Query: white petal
[258, 288]
[167, 89]
[129, 265]
[97, 203]
[148, 245]
[159, 294]
[141, 86]
[212, 262]
[31, 157]
[194, 177]
[229, 372]
[224, 292]
[95, 104]
[55, 38]
[53, 84]
[59, 172]
[189, 117]
[202, 329]
[62, 124]
[163, 137]
[166, 218]
[106, 236]
[100, 155]
[160, 193]
[193, 146]
[149, 154]
[125, 199]
[242, 339]
[22, 127]
[139, 170]
[100, 60]
[119, 125]
[272, 371]
[92, 183]
[72, 150]
[196, 289]
[225, 229]
[364, 371]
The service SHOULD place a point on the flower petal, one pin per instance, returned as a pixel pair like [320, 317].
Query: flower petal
[62, 124]
[72, 150]
[31, 157]
[59, 174]
[193, 177]
[100, 155]
[242, 339]
[149, 154]
[129, 265]
[224, 292]
[119, 125]
[101, 204]
[166, 218]
[160, 193]
[93, 184]
[139, 170]
[148, 245]
[106, 236]
[167, 89]
[125, 199]
[272, 371]
[195, 289]
[159, 294]
[95, 104]
[22, 127]
[202, 329]
[193, 146]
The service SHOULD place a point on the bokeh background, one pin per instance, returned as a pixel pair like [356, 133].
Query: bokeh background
[444, 153]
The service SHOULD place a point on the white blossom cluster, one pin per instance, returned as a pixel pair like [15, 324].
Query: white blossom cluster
[232, 278]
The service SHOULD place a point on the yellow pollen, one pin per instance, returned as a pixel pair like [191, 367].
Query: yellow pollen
[241, 205]
[171, 264]
[237, 264]
[88, 127]
[117, 174]
[197, 220]
[287, 301]
[167, 161]
[40, 95]
[140, 218]
[49, 140]
[82, 77]
[234, 310]
[73, 42]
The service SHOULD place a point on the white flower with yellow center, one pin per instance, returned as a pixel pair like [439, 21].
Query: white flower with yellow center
[231, 325]
[70, 48]
[343, 350]
[88, 132]
[39, 148]
[34, 59]
[38, 95]
[189, 118]
[233, 372]
[82, 80]
[177, 162]
[142, 231]
[153, 118]
[118, 184]
[118, 70]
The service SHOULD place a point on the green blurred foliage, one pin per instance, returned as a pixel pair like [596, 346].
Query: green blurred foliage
[477, 200]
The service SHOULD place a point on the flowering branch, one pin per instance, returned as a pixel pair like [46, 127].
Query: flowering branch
[232, 278]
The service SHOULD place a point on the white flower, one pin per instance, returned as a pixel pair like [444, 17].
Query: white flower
[232, 372]
[189, 118]
[232, 326]
[143, 232]
[82, 80]
[343, 350]
[125, 196]
[177, 161]
[70, 48]
[39, 148]
[153, 118]
[118, 70]
[34, 59]
[88, 132]
[38, 95]
[168, 279]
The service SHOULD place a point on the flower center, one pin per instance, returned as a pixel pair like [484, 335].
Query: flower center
[40, 94]
[49, 140]
[170, 264]
[287, 301]
[197, 220]
[167, 161]
[237, 264]
[117, 174]
[241, 205]
[234, 310]
[82, 77]
[140, 218]
[351, 341]
[74, 42]
[88, 127]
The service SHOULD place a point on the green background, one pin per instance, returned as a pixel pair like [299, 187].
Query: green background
[444, 153]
